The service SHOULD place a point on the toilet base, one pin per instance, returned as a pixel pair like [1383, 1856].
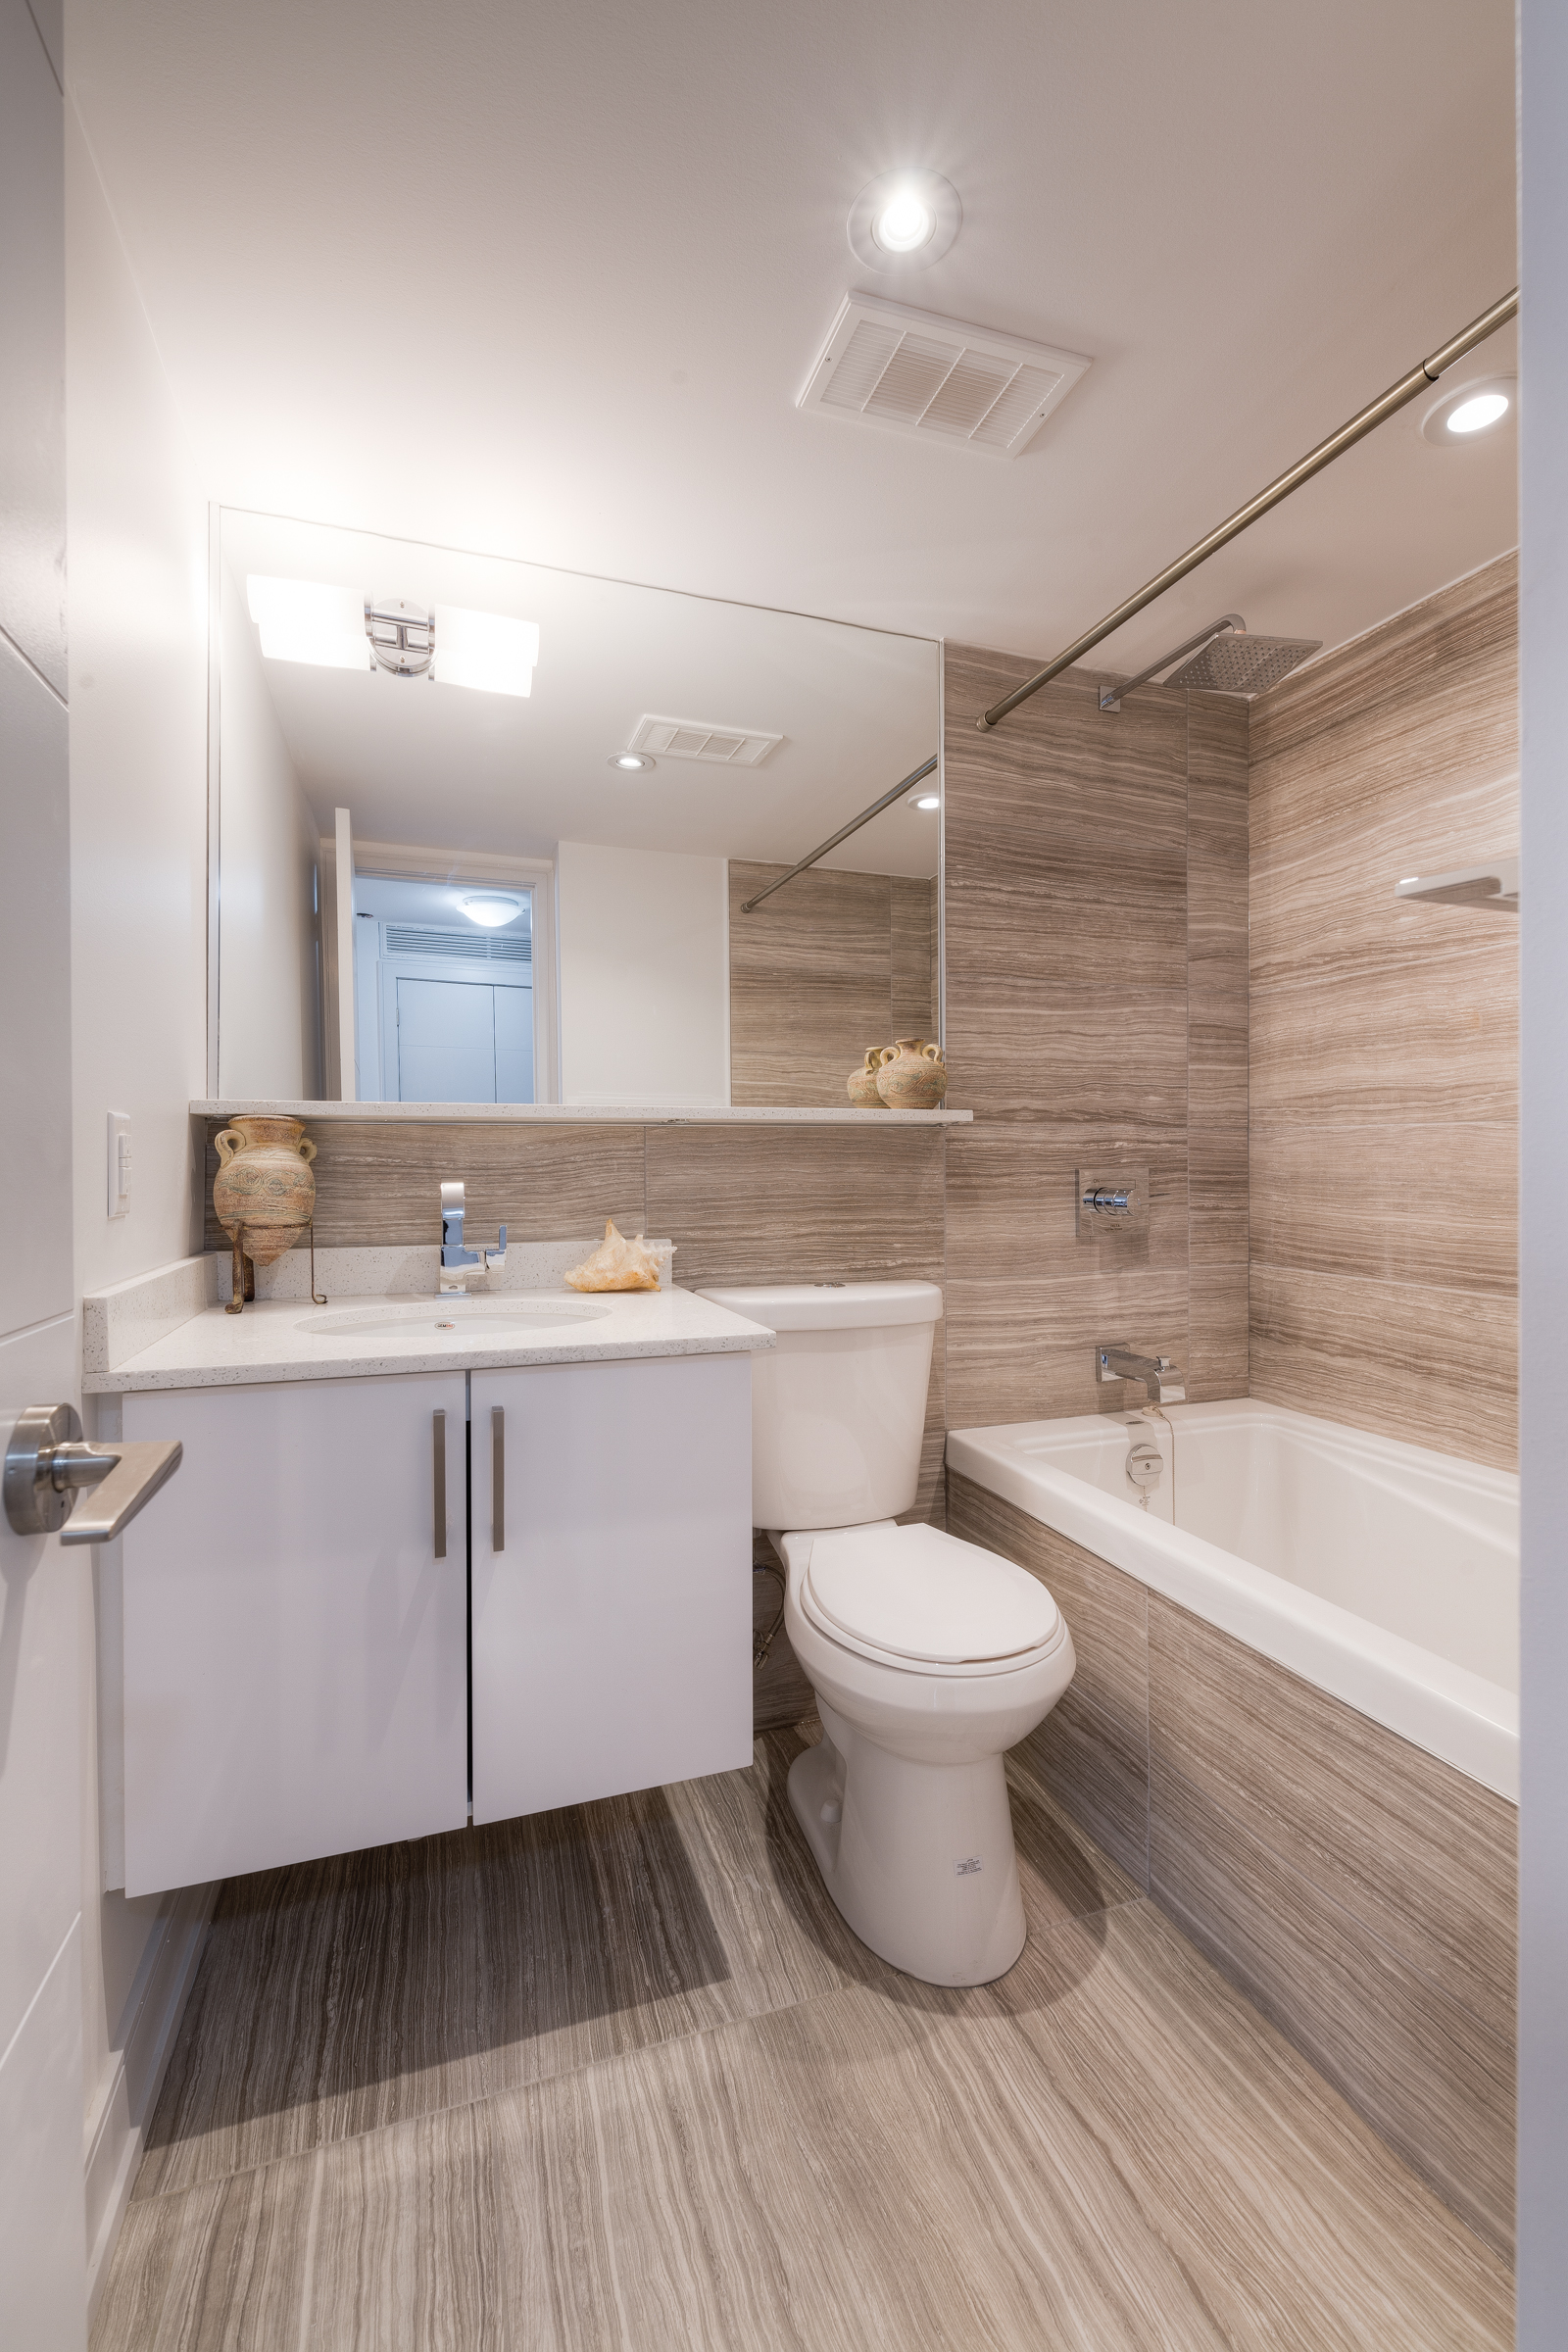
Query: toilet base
[919, 1857]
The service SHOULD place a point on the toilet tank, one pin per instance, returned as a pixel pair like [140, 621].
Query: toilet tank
[838, 1404]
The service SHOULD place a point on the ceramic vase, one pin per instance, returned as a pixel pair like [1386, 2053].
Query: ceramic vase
[914, 1075]
[264, 1194]
[861, 1083]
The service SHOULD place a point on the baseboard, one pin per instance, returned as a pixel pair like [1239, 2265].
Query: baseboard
[123, 2109]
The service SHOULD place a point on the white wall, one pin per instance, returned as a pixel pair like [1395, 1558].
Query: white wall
[1542, 1232]
[268, 1012]
[644, 960]
[138, 610]
[41, 2234]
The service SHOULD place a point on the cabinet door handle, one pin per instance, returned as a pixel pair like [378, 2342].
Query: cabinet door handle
[439, 1426]
[498, 1479]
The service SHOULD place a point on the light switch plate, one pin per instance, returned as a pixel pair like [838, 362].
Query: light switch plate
[120, 1163]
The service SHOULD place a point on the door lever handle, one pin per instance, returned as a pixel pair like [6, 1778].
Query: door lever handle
[48, 1465]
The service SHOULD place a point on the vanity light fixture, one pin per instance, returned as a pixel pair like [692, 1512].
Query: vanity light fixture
[307, 620]
[924, 800]
[1469, 411]
[632, 760]
[904, 221]
[484, 650]
[491, 912]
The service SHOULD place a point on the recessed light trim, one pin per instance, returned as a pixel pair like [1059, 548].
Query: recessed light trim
[1468, 413]
[630, 762]
[904, 221]
[924, 801]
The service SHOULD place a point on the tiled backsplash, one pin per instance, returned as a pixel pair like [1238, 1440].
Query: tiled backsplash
[1385, 1032]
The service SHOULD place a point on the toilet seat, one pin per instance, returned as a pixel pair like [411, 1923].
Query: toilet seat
[927, 1603]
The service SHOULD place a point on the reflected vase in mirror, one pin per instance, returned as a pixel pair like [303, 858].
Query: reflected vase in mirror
[914, 1075]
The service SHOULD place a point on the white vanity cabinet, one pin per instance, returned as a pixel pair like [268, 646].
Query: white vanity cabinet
[611, 1578]
[294, 1626]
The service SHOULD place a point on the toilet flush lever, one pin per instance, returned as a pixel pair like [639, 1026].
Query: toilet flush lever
[48, 1465]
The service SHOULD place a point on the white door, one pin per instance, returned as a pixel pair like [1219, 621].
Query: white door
[295, 1622]
[43, 1590]
[611, 1578]
[460, 1041]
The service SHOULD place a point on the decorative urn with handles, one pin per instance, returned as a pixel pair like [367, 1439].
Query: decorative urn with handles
[861, 1083]
[263, 1195]
[914, 1075]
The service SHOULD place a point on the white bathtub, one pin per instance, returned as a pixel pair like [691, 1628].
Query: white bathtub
[1387, 1575]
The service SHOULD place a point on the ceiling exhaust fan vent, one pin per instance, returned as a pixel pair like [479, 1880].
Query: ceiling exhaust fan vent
[936, 378]
[699, 739]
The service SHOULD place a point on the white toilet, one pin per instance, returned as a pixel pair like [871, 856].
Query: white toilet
[929, 1657]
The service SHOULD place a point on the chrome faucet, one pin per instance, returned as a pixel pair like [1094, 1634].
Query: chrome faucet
[1158, 1373]
[457, 1264]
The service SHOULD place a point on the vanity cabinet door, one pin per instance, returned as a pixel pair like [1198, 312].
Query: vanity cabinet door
[295, 1672]
[612, 1633]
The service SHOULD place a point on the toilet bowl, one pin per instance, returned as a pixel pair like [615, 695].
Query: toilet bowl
[929, 1657]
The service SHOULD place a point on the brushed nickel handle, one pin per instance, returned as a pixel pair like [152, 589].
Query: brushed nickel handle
[439, 1428]
[498, 1479]
[48, 1465]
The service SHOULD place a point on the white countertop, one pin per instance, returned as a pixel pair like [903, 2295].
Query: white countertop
[287, 1339]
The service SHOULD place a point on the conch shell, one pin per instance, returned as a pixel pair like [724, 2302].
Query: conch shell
[617, 1264]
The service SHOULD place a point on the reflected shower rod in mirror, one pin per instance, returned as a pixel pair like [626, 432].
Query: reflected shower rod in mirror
[843, 834]
[1419, 379]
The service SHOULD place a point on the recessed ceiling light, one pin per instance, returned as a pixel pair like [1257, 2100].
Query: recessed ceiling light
[490, 913]
[632, 760]
[1470, 409]
[924, 800]
[904, 221]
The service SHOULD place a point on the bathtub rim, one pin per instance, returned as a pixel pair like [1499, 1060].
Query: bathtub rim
[1450, 1712]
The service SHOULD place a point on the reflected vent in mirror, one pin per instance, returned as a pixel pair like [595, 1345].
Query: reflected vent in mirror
[938, 377]
[699, 739]
[461, 946]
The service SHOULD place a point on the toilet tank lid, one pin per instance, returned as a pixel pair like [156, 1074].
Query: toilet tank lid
[830, 1306]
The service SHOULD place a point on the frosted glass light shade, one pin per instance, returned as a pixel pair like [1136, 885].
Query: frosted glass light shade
[306, 620]
[484, 650]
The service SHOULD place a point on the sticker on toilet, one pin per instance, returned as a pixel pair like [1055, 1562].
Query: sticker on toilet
[967, 1867]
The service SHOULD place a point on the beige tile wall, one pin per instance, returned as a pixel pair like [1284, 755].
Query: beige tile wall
[1385, 1034]
[834, 964]
[1359, 1890]
[1096, 1015]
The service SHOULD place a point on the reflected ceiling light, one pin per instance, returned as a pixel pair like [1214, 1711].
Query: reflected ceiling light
[484, 650]
[924, 800]
[304, 621]
[1469, 409]
[490, 913]
[632, 760]
[904, 221]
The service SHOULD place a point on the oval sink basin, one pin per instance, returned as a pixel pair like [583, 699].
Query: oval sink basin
[450, 1318]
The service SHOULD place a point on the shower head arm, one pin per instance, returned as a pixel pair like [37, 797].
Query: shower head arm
[1110, 698]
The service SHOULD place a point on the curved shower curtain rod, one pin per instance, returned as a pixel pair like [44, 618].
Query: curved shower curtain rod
[1419, 379]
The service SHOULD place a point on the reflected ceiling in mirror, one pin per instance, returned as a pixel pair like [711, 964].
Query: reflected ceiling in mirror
[460, 728]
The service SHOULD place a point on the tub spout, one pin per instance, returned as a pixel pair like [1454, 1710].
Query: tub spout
[1160, 1378]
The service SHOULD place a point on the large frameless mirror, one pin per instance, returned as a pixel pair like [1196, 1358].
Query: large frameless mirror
[490, 832]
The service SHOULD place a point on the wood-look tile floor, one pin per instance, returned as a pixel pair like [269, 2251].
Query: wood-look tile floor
[622, 2078]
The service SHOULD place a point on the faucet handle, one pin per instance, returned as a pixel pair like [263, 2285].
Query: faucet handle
[452, 1200]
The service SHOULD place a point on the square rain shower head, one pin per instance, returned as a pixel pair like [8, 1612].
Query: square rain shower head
[1234, 663]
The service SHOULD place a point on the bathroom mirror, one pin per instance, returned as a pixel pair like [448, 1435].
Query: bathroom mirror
[491, 832]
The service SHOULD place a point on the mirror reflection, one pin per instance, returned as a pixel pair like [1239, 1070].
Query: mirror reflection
[490, 832]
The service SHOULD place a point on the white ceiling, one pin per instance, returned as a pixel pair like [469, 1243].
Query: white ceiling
[440, 767]
[545, 280]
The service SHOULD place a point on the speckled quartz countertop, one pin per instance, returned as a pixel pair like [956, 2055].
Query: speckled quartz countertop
[288, 1339]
